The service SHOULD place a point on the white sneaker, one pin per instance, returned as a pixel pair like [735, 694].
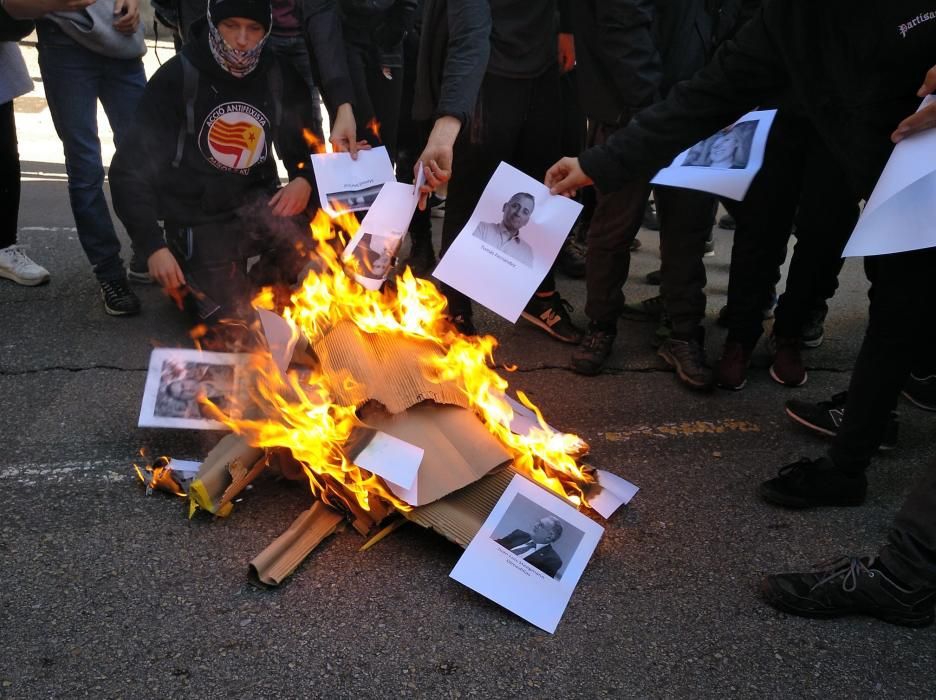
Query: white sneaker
[15, 265]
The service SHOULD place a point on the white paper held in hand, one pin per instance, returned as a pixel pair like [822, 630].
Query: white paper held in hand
[345, 184]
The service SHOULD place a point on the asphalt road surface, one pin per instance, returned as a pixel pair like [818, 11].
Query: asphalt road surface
[107, 593]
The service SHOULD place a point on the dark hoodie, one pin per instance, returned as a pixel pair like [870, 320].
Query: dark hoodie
[227, 162]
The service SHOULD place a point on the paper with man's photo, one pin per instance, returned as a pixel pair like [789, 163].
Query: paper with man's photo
[899, 215]
[529, 554]
[345, 184]
[375, 245]
[508, 245]
[726, 162]
[179, 379]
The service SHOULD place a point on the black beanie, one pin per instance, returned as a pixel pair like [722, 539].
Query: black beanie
[258, 10]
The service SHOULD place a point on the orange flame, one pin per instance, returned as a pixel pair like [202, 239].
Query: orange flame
[300, 413]
[313, 142]
[373, 126]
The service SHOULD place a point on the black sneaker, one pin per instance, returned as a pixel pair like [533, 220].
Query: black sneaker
[687, 357]
[647, 310]
[571, 260]
[810, 483]
[727, 222]
[709, 250]
[421, 259]
[119, 299]
[651, 221]
[921, 391]
[813, 331]
[825, 417]
[590, 356]
[552, 315]
[851, 586]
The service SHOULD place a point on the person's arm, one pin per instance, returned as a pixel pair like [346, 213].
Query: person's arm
[34, 9]
[742, 73]
[144, 154]
[469, 46]
[629, 53]
[291, 146]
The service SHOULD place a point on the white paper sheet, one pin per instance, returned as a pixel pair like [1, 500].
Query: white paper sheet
[726, 162]
[524, 419]
[378, 240]
[509, 243]
[615, 492]
[900, 215]
[351, 185]
[395, 460]
[281, 338]
[186, 469]
[534, 584]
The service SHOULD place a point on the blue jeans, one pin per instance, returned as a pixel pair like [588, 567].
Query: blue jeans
[75, 79]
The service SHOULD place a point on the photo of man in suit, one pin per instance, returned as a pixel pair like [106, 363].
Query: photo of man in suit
[505, 234]
[535, 547]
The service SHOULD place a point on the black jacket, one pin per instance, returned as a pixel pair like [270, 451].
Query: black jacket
[631, 52]
[850, 65]
[226, 163]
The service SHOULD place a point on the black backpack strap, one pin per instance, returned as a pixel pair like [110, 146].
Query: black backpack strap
[189, 90]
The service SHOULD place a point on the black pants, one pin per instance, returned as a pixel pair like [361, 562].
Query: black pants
[616, 220]
[901, 331]
[9, 176]
[214, 258]
[515, 120]
[800, 183]
[910, 553]
[686, 220]
[375, 96]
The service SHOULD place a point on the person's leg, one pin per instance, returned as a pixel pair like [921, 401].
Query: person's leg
[293, 50]
[9, 176]
[385, 94]
[72, 77]
[910, 552]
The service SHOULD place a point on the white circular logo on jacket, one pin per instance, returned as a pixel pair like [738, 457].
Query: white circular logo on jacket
[233, 137]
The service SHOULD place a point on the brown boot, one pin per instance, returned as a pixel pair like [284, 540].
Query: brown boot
[788, 368]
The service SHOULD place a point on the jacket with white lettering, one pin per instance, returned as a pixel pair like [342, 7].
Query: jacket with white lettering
[854, 66]
[226, 160]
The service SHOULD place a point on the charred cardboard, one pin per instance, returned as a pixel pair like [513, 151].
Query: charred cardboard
[389, 369]
[228, 468]
[458, 449]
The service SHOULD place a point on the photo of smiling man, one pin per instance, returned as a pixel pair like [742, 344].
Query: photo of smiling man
[505, 235]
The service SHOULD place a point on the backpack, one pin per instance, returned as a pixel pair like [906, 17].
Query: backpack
[190, 91]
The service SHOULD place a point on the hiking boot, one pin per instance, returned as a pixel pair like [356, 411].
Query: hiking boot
[138, 272]
[810, 483]
[463, 324]
[787, 368]
[825, 417]
[647, 310]
[709, 250]
[921, 391]
[727, 222]
[119, 299]
[852, 586]
[17, 266]
[590, 356]
[571, 260]
[421, 259]
[552, 315]
[813, 331]
[653, 278]
[687, 357]
[731, 371]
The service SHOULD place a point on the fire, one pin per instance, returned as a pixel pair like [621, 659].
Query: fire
[300, 414]
[313, 141]
[373, 126]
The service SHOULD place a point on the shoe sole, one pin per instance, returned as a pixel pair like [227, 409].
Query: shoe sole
[117, 312]
[780, 603]
[924, 406]
[731, 387]
[24, 281]
[825, 432]
[773, 375]
[813, 342]
[539, 323]
[793, 503]
[683, 377]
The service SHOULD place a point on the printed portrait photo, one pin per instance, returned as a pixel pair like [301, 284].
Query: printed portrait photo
[537, 536]
[728, 149]
[356, 200]
[376, 255]
[505, 235]
[181, 384]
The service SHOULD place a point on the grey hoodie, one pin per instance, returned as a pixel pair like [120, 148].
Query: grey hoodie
[93, 28]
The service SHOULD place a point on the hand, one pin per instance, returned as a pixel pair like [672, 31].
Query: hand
[566, 177]
[126, 16]
[566, 53]
[34, 9]
[925, 118]
[165, 270]
[343, 135]
[292, 199]
[436, 158]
